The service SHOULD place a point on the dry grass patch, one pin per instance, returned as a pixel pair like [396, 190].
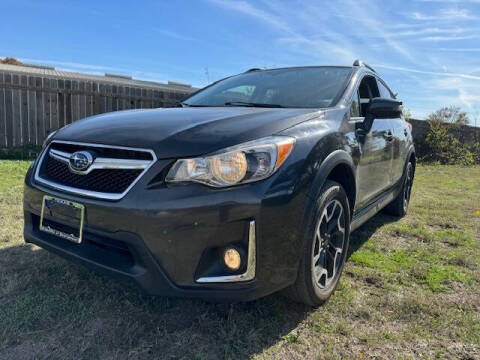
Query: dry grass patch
[411, 288]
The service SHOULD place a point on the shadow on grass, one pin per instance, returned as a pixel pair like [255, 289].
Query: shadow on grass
[365, 232]
[57, 309]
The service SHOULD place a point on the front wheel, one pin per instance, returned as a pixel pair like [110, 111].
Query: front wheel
[326, 247]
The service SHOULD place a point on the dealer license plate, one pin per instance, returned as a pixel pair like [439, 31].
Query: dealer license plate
[62, 218]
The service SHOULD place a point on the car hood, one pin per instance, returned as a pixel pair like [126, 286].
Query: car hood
[176, 132]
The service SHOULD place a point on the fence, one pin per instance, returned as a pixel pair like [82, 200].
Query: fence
[36, 101]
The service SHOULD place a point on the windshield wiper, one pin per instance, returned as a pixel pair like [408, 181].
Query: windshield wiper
[252, 104]
[233, 103]
[182, 104]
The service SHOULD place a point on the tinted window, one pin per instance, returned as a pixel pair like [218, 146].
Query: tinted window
[384, 92]
[367, 90]
[313, 87]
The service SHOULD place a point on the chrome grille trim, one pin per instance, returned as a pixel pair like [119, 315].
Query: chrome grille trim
[103, 163]
[100, 163]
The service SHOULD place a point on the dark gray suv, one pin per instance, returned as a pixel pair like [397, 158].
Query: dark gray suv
[252, 185]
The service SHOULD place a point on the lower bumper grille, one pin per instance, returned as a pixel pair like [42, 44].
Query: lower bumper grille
[104, 250]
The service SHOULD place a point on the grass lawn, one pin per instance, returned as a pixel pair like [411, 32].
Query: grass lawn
[411, 288]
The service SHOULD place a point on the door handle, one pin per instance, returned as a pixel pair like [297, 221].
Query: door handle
[388, 135]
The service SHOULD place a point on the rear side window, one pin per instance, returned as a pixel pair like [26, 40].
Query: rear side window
[384, 92]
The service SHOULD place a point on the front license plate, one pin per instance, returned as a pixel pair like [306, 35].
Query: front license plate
[62, 218]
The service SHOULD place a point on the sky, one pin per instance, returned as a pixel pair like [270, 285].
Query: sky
[428, 51]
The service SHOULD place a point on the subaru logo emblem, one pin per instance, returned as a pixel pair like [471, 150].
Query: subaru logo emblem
[80, 161]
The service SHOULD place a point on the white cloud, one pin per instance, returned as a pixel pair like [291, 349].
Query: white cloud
[248, 9]
[174, 35]
[447, 38]
[457, 91]
[308, 24]
[415, 33]
[450, 1]
[461, 50]
[469, 98]
[450, 14]
[435, 73]
[306, 45]
[367, 14]
[339, 32]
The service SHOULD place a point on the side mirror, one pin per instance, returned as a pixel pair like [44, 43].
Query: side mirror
[380, 108]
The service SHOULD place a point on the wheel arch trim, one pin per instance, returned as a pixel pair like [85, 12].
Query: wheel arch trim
[335, 158]
[411, 151]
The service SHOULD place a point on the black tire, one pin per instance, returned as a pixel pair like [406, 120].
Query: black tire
[399, 206]
[309, 288]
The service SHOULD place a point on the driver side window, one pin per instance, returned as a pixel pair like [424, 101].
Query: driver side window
[367, 90]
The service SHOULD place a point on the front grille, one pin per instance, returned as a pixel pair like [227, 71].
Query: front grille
[107, 152]
[106, 181]
[109, 176]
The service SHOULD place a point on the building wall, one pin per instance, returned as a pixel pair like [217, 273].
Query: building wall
[466, 134]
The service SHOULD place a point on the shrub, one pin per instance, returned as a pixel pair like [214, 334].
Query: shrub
[27, 152]
[476, 152]
[10, 61]
[442, 147]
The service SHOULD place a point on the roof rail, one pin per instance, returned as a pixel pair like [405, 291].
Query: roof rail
[361, 63]
[253, 69]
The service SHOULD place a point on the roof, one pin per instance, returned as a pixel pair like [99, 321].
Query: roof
[107, 78]
[298, 67]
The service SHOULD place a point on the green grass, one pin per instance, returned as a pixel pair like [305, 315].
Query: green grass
[411, 288]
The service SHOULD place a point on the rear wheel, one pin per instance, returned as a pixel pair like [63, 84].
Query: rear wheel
[399, 206]
[326, 247]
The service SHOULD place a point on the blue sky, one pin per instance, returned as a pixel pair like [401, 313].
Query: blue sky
[427, 50]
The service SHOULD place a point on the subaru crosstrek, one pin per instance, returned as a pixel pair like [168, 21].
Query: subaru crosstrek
[251, 185]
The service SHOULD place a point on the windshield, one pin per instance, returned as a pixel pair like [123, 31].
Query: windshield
[309, 87]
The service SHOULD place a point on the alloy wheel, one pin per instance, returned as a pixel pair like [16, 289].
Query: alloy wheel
[328, 249]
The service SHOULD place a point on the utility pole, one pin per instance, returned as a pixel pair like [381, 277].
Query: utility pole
[475, 119]
[207, 74]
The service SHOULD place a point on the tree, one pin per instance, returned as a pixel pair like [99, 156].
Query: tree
[10, 61]
[449, 114]
[407, 115]
[462, 119]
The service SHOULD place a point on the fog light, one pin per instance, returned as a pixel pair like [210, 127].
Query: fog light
[232, 259]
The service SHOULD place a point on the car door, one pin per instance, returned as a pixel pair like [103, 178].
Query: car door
[400, 137]
[376, 150]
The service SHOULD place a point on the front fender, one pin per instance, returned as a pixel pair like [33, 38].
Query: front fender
[334, 159]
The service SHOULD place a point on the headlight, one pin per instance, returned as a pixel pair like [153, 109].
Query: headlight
[48, 138]
[248, 162]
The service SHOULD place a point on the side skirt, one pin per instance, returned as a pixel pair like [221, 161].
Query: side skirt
[363, 215]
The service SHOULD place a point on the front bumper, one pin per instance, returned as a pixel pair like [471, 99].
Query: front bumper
[157, 236]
